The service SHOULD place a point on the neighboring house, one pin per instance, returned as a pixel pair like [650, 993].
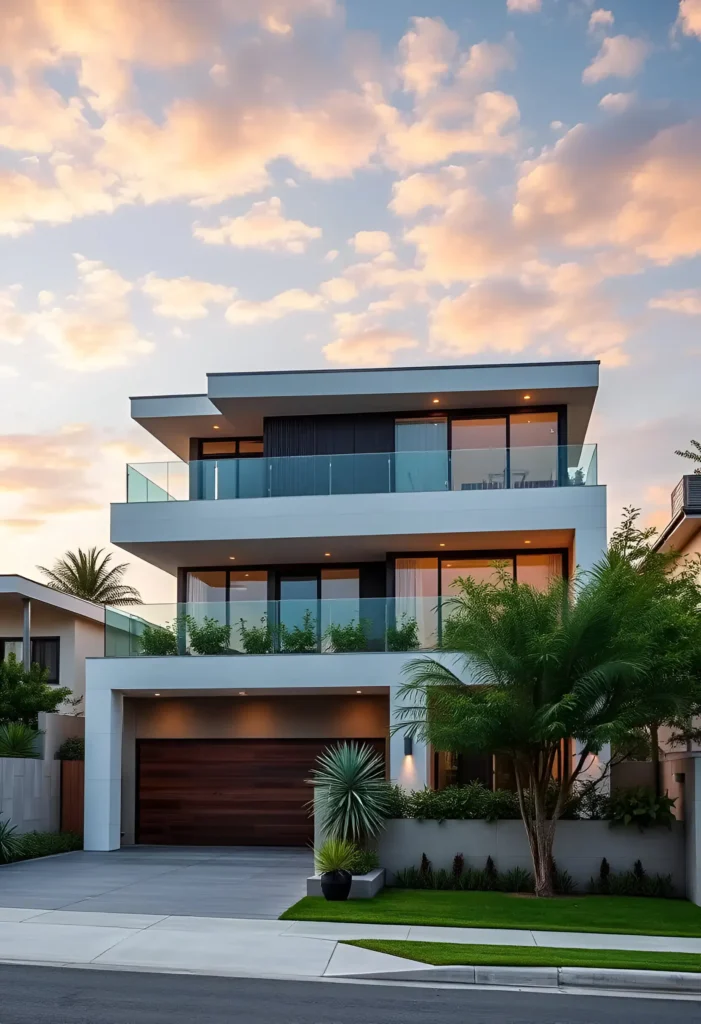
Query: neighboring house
[320, 518]
[57, 631]
[683, 532]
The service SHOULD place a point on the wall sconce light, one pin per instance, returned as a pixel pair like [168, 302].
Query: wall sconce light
[408, 746]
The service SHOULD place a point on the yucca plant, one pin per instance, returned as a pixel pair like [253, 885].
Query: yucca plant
[10, 844]
[350, 780]
[335, 855]
[18, 740]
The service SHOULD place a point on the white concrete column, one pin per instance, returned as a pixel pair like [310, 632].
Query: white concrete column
[410, 771]
[103, 767]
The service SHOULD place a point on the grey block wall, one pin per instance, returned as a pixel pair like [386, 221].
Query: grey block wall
[30, 793]
[579, 847]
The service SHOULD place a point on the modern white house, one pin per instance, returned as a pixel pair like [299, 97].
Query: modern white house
[315, 522]
[57, 631]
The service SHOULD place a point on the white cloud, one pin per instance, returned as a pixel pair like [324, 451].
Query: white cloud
[294, 300]
[600, 19]
[371, 242]
[689, 18]
[331, 255]
[487, 60]
[687, 301]
[14, 325]
[264, 226]
[418, 191]
[339, 289]
[368, 346]
[616, 102]
[426, 53]
[619, 56]
[524, 6]
[184, 298]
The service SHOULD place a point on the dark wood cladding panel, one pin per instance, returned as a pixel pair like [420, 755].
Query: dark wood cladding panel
[227, 792]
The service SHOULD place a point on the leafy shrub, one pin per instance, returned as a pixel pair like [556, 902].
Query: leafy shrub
[460, 803]
[44, 844]
[257, 639]
[210, 636]
[10, 843]
[516, 880]
[403, 635]
[398, 801]
[563, 882]
[348, 638]
[465, 879]
[639, 806]
[458, 866]
[335, 855]
[364, 861]
[24, 694]
[631, 883]
[18, 740]
[300, 639]
[72, 749]
[158, 641]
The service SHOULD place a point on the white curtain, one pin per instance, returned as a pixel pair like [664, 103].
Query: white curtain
[416, 589]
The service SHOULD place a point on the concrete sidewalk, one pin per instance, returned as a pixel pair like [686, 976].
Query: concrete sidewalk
[245, 948]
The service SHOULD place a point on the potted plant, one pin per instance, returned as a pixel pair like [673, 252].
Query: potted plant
[334, 862]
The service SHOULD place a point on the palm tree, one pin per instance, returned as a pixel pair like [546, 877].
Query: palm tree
[85, 574]
[532, 671]
[695, 455]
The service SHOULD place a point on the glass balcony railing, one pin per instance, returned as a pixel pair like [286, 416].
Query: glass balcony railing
[375, 473]
[278, 627]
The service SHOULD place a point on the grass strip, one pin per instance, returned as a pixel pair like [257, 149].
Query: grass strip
[622, 915]
[444, 954]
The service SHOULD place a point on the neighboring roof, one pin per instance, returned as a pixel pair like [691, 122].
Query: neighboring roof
[686, 515]
[237, 403]
[20, 586]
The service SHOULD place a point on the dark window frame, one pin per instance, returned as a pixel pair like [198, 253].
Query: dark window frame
[18, 639]
[238, 454]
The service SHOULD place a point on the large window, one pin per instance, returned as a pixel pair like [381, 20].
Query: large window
[44, 652]
[421, 459]
[478, 453]
[534, 449]
[539, 570]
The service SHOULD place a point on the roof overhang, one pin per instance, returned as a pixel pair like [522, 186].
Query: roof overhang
[679, 532]
[15, 589]
[237, 403]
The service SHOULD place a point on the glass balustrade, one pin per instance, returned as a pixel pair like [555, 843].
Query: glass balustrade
[334, 626]
[375, 473]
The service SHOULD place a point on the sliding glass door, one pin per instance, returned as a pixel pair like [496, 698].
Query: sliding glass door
[421, 454]
[478, 454]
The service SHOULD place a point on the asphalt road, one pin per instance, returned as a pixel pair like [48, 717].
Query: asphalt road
[54, 995]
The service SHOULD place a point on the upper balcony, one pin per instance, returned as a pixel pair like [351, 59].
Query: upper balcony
[488, 469]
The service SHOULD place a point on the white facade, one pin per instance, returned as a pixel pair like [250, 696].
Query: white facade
[294, 530]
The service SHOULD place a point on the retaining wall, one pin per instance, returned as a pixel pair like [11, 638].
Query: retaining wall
[30, 793]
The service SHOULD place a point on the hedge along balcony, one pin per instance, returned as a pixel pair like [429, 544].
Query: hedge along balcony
[277, 627]
[373, 473]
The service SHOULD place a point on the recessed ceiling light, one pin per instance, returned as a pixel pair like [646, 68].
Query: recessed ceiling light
[358, 691]
[526, 542]
[232, 558]
[215, 426]
[449, 565]
[156, 695]
[441, 545]
[242, 693]
[327, 554]
[527, 397]
[436, 401]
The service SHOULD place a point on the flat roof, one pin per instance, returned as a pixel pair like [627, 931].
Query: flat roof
[22, 587]
[237, 403]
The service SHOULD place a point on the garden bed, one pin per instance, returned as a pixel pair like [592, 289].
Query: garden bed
[612, 914]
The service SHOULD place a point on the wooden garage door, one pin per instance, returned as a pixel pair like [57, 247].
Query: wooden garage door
[227, 792]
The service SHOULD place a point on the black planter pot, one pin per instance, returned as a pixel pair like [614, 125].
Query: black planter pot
[336, 885]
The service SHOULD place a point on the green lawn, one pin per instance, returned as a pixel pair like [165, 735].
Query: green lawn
[451, 954]
[617, 914]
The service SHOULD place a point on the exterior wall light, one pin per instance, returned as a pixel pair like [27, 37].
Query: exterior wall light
[408, 746]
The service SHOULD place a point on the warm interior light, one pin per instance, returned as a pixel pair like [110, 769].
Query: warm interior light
[527, 397]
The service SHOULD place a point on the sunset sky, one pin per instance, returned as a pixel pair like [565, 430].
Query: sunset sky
[193, 186]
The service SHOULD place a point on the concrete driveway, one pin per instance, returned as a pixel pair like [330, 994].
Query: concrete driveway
[240, 882]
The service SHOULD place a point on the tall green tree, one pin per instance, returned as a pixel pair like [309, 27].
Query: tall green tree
[86, 574]
[532, 670]
[693, 453]
[24, 694]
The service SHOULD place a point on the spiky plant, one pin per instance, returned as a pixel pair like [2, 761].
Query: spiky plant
[350, 780]
[18, 740]
[85, 574]
[335, 855]
[10, 843]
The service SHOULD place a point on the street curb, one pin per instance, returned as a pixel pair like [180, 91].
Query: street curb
[548, 977]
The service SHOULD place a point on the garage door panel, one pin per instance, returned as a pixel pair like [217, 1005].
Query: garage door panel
[227, 792]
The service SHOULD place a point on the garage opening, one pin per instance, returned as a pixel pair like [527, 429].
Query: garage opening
[227, 792]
